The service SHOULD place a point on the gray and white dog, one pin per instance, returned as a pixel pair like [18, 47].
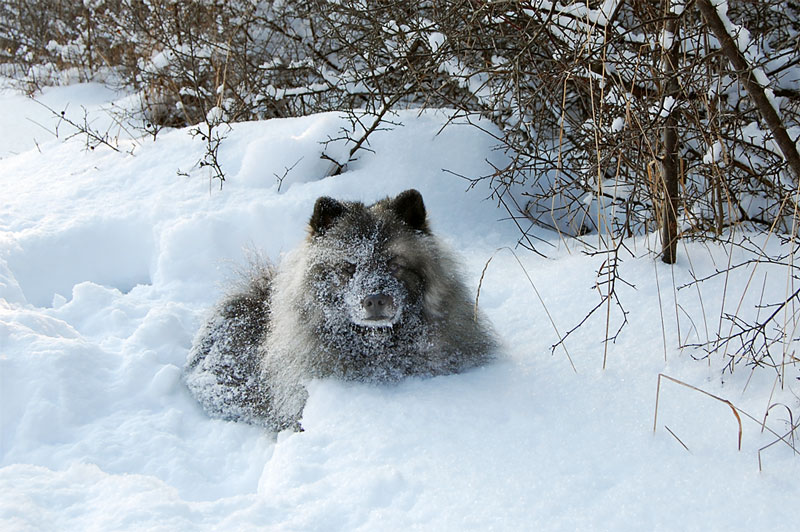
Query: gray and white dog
[371, 295]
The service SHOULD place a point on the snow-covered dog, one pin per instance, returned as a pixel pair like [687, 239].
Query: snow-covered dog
[371, 295]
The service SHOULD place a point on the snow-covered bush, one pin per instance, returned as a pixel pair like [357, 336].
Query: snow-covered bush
[51, 42]
[585, 94]
[580, 89]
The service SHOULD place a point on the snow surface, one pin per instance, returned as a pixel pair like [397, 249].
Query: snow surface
[110, 260]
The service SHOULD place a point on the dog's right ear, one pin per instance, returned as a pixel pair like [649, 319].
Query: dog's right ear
[326, 212]
[409, 207]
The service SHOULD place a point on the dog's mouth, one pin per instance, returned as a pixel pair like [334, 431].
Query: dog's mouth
[381, 321]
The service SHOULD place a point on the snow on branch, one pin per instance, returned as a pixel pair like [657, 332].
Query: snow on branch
[753, 79]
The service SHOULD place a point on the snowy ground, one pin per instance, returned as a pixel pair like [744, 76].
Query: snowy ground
[108, 262]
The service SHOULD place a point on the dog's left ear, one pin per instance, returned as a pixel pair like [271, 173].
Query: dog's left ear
[326, 212]
[409, 207]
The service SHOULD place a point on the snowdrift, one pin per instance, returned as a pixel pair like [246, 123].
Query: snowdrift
[110, 260]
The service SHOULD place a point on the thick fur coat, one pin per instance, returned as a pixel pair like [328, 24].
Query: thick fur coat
[371, 295]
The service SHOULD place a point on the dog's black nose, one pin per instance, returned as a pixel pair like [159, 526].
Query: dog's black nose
[378, 306]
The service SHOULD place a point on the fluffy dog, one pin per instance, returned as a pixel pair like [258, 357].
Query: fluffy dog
[371, 295]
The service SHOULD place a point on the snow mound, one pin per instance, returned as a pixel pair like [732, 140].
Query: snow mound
[110, 260]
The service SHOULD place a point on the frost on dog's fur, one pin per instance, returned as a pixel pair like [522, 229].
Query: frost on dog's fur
[371, 295]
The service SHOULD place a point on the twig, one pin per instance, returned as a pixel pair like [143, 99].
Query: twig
[676, 381]
[677, 438]
[538, 296]
[93, 137]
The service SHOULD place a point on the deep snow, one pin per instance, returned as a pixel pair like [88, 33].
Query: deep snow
[110, 260]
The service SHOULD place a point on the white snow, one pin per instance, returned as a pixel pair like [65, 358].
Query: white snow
[714, 153]
[676, 7]
[665, 108]
[667, 40]
[110, 260]
[745, 45]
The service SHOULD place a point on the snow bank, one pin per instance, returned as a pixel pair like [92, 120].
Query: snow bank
[109, 261]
